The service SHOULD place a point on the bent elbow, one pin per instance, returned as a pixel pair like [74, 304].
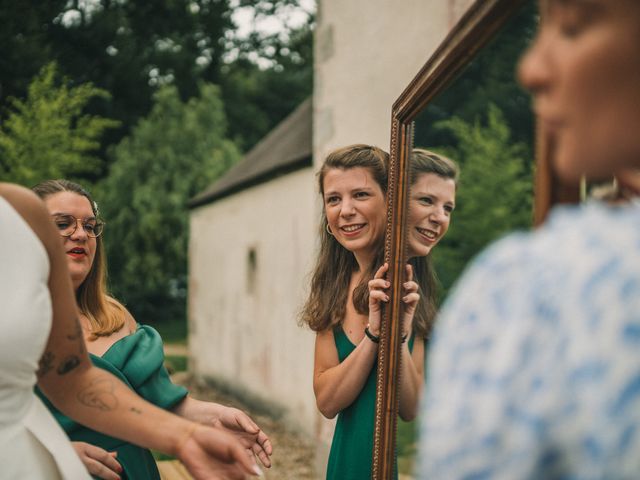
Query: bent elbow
[408, 417]
[408, 414]
[327, 411]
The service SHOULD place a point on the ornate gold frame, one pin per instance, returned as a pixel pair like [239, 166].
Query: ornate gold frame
[480, 23]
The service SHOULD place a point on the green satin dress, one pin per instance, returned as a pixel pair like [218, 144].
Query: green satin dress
[352, 446]
[137, 360]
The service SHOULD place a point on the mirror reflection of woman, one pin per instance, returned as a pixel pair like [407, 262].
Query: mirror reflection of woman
[432, 200]
[353, 183]
[118, 344]
[535, 366]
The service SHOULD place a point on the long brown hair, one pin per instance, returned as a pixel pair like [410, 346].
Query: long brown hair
[326, 304]
[422, 162]
[106, 315]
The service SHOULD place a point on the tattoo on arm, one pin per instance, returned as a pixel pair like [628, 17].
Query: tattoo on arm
[68, 364]
[78, 336]
[136, 410]
[45, 364]
[99, 394]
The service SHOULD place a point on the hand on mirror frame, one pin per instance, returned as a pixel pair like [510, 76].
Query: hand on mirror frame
[240, 425]
[377, 294]
[98, 462]
[410, 299]
[213, 454]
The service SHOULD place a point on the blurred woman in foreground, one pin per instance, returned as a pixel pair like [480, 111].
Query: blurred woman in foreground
[535, 367]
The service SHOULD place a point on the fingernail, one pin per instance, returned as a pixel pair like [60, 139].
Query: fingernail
[257, 470]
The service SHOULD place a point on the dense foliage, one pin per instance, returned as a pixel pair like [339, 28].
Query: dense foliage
[495, 190]
[48, 134]
[172, 154]
[132, 100]
[483, 121]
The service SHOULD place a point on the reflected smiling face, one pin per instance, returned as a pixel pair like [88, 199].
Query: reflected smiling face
[584, 72]
[80, 248]
[432, 200]
[355, 208]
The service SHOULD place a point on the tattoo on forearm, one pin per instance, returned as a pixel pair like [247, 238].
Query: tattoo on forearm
[45, 364]
[68, 364]
[136, 410]
[99, 394]
[78, 336]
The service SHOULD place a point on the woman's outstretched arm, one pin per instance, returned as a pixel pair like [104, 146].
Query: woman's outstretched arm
[96, 398]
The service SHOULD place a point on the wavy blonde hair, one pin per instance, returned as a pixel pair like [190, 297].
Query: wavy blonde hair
[106, 315]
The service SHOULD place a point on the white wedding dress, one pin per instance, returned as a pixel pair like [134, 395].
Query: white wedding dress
[32, 445]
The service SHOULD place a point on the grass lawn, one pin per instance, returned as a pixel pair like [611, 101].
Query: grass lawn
[406, 444]
[172, 332]
[175, 363]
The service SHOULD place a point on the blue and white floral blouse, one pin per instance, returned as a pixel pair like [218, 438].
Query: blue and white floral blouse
[534, 370]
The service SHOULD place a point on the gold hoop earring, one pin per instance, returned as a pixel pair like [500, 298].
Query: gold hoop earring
[329, 230]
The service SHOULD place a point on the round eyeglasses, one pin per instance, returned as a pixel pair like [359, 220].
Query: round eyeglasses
[68, 224]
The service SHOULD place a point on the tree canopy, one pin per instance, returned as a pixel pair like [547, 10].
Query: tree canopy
[147, 103]
[494, 195]
[171, 155]
[130, 49]
[48, 134]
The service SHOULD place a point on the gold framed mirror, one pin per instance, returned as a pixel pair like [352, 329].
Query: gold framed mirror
[479, 28]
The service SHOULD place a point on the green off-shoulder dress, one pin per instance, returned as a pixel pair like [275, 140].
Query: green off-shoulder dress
[352, 446]
[137, 360]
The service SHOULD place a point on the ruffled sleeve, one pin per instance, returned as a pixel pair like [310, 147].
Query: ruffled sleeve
[138, 361]
[140, 358]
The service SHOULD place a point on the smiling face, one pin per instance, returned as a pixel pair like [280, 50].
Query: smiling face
[80, 248]
[584, 72]
[355, 208]
[432, 200]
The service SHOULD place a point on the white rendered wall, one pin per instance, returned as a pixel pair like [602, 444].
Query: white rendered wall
[366, 52]
[243, 330]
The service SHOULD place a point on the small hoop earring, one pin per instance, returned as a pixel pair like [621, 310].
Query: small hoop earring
[329, 230]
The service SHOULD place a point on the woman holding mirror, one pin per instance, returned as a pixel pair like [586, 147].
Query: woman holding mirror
[535, 367]
[353, 182]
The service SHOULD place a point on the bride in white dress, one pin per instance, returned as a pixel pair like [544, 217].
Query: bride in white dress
[31, 443]
[41, 341]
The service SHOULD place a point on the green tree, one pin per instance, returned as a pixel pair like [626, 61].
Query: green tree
[48, 135]
[133, 48]
[175, 152]
[257, 98]
[495, 191]
[489, 78]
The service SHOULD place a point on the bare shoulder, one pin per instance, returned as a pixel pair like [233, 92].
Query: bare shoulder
[129, 322]
[326, 351]
[324, 336]
[31, 208]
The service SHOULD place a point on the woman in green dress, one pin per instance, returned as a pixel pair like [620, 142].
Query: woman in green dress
[118, 344]
[345, 317]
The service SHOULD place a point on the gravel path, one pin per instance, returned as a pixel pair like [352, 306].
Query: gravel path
[293, 453]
